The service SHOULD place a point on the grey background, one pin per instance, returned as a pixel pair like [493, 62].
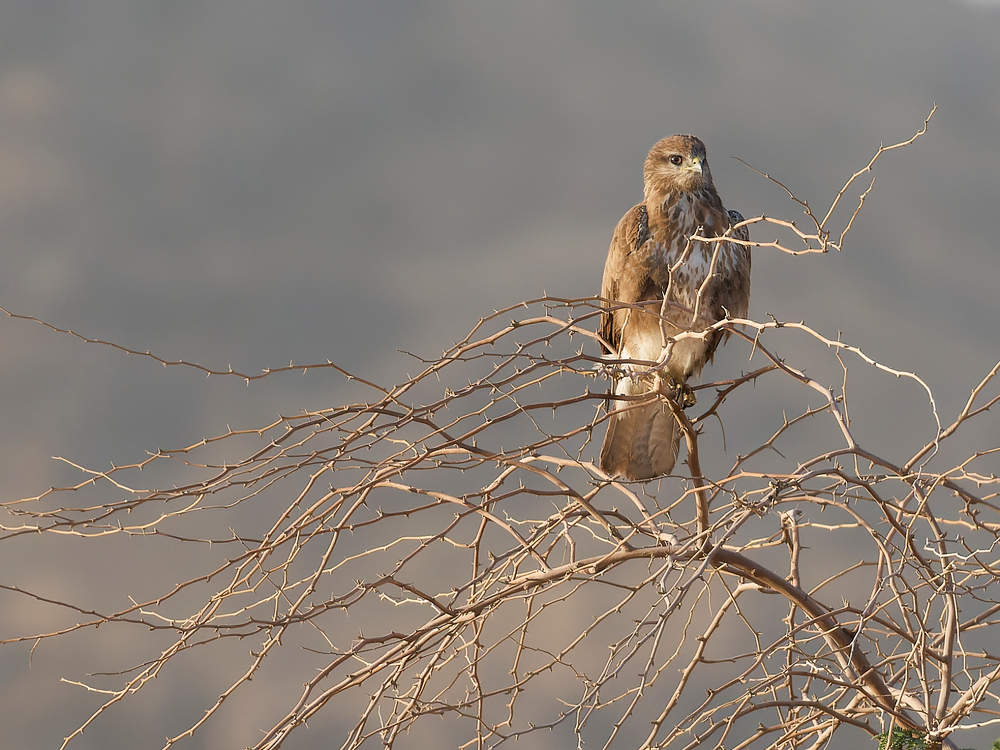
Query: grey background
[255, 182]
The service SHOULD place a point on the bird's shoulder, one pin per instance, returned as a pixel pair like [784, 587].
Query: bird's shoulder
[629, 236]
[735, 218]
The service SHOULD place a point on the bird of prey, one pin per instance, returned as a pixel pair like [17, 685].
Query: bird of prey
[659, 283]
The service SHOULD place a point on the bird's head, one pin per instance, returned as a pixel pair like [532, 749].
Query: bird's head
[677, 164]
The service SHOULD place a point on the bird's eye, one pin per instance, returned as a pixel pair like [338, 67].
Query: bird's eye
[675, 159]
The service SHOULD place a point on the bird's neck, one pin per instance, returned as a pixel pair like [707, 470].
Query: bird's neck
[683, 209]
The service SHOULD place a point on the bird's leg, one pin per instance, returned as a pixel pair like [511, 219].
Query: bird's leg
[676, 390]
[681, 393]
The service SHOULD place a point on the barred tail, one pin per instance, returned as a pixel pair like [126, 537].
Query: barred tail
[641, 442]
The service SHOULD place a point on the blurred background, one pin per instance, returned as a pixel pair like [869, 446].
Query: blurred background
[254, 183]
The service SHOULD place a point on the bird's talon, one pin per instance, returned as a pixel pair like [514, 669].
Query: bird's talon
[682, 394]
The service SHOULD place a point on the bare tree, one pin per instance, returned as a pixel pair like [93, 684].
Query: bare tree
[441, 563]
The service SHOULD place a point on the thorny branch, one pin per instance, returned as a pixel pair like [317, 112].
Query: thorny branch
[447, 549]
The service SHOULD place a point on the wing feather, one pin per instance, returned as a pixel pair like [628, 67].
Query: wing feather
[623, 277]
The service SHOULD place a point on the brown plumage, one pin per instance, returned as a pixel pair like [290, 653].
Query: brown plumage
[680, 201]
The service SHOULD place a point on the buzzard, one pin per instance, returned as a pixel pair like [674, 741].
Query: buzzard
[655, 288]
